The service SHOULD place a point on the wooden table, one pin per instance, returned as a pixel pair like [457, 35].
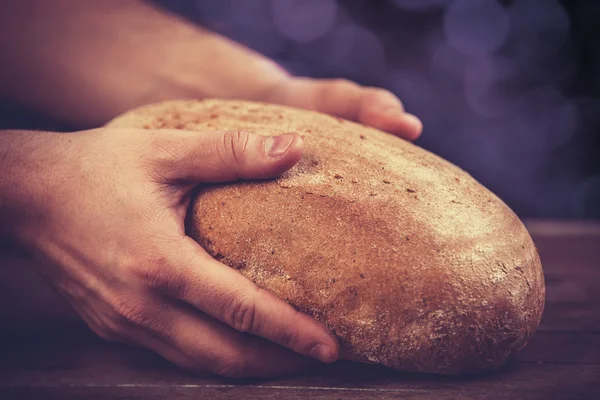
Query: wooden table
[45, 352]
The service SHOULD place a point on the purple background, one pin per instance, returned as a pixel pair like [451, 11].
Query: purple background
[510, 91]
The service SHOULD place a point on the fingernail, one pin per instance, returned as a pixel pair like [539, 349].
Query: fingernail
[416, 123]
[322, 353]
[276, 146]
[413, 119]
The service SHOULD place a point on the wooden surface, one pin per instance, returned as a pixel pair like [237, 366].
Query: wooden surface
[45, 352]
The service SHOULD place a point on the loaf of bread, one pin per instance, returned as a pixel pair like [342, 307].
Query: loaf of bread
[405, 257]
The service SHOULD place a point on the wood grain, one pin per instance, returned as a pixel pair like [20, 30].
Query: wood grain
[46, 352]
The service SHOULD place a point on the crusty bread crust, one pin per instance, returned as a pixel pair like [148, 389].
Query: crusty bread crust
[404, 256]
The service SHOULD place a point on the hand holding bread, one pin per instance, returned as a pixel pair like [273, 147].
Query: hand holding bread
[103, 212]
[404, 256]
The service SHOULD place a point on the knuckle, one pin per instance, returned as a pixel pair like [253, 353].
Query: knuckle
[132, 264]
[105, 335]
[374, 92]
[139, 315]
[112, 335]
[340, 92]
[156, 273]
[196, 357]
[160, 275]
[341, 84]
[242, 314]
[340, 88]
[234, 366]
[112, 327]
[134, 313]
[105, 332]
[234, 146]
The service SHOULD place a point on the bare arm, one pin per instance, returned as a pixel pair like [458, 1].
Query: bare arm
[87, 61]
[84, 62]
[101, 213]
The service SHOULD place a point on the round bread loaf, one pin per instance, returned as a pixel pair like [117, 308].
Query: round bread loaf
[405, 257]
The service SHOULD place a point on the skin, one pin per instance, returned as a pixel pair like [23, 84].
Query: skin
[101, 211]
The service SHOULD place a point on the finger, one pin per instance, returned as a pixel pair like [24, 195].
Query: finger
[198, 343]
[224, 294]
[335, 97]
[141, 337]
[371, 106]
[218, 156]
[382, 110]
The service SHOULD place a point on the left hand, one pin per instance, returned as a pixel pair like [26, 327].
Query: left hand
[370, 106]
[86, 80]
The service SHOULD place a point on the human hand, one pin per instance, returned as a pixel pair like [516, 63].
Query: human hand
[370, 106]
[103, 211]
[163, 58]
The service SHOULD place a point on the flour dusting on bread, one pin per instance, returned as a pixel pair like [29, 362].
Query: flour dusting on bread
[404, 256]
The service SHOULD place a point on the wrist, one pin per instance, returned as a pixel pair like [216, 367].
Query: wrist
[25, 172]
[212, 66]
[163, 57]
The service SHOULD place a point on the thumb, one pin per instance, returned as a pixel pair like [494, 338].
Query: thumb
[220, 156]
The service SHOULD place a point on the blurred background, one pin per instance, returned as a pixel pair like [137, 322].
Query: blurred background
[508, 90]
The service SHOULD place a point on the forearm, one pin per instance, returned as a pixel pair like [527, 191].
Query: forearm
[26, 161]
[87, 61]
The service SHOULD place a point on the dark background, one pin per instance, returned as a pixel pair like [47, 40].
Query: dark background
[510, 90]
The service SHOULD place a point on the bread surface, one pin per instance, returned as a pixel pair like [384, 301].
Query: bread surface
[404, 256]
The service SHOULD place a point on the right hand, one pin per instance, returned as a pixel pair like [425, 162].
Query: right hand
[103, 211]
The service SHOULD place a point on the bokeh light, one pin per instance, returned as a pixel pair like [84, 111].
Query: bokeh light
[494, 81]
[548, 114]
[446, 59]
[303, 20]
[476, 27]
[540, 40]
[539, 27]
[485, 85]
[349, 50]
[420, 5]
[417, 92]
[255, 14]
[209, 10]
[588, 196]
